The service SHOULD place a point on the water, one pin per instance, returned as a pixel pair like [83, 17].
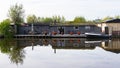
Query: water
[60, 53]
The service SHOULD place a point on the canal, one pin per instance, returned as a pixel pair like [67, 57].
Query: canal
[60, 53]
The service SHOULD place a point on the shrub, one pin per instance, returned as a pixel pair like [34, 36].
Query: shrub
[5, 29]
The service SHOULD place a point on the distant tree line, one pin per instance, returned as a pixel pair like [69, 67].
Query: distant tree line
[16, 15]
[34, 19]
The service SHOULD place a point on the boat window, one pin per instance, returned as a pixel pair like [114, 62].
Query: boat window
[76, 27]
[87, 27]
[60, 28]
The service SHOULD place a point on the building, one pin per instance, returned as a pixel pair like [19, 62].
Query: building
[52, 30]
[37, 28]
[111, 27]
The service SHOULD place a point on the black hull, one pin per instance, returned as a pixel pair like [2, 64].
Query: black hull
[98, 36]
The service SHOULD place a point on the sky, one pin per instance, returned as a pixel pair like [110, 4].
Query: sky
[90, 9]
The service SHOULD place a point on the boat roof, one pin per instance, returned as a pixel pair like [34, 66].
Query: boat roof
[113, 21]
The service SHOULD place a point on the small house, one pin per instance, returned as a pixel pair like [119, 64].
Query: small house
[111, 27]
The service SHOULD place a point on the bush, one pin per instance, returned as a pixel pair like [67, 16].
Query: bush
[5, 29]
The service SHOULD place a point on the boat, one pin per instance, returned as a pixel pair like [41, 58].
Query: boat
[97, 35]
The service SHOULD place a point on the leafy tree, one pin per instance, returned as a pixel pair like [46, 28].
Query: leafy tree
[5, 29]
[58, 19]
[16, 13]
[39, 19]
[107, 18]
[32, 19]
[79, 20]
[117, 17]
[48, 20]
[97, 21]
[44, 20]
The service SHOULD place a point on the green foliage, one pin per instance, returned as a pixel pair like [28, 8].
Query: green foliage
[47, 20]
[107, 18]
[17, 55]
[5, 46]
[32, 19]
[16, 14]
[5, 29]
[117, 17]
[35, 19]
[44, 20]
[58, 19]
[15, 52]
[79, 20]
[97, 21]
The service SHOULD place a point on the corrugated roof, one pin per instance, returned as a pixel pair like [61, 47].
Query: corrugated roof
[113, 21]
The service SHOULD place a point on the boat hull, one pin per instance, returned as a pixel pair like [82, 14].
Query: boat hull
[94, 35]
[98, 36]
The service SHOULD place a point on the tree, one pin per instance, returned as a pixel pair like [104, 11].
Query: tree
[117, 17]
[107, 18]
[39, 19]
[47, 20]
[16, 13]
[32, 19]
[97, 21]
[79, 20]
[5, 29]
[58, 19]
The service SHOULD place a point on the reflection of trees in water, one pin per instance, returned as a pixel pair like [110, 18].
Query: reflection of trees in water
[9, 47]
[5, 46]
[15, 48]
[17, 55]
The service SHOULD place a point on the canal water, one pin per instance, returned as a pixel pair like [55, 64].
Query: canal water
[60, 53]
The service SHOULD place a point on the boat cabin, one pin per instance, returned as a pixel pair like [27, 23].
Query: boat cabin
[47, 29]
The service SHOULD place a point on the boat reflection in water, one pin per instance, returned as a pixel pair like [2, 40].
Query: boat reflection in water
[87, 44]
[82, 44]
[71, 43]
[15, 48]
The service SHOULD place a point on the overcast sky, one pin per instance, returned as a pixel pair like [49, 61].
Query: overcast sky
[90, 9]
